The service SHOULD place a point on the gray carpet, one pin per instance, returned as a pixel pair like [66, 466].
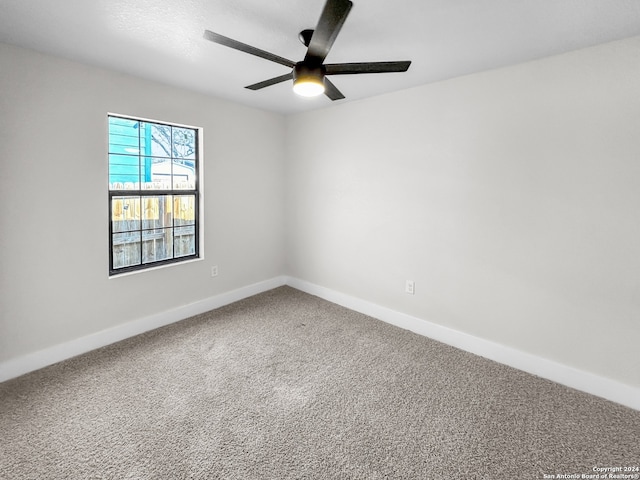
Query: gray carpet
[286, 385]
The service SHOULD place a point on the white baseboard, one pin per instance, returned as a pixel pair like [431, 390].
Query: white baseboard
[34, 361]
[566, 375]
[557, 372]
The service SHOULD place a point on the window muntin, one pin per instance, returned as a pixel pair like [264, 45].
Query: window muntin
[153, 194]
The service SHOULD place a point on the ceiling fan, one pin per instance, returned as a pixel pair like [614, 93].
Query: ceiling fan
[310, 75]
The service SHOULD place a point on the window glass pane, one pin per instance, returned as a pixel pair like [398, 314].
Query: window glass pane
[184, 241]
[161, 173]
[125, 214]
[157, 211]
[184, 176]
[184, 144]
[123, 170]
[124, 136]
[126, 249]
[156, 139]
[184, 210]
[157, 245]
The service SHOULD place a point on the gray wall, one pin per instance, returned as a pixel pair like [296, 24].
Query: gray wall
[54, 284]
[510, 197]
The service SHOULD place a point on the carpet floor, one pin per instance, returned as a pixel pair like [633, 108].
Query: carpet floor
[285, 385]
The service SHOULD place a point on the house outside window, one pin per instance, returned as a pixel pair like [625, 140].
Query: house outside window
[153, 194]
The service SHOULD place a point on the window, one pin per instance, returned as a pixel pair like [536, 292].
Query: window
[153, 194]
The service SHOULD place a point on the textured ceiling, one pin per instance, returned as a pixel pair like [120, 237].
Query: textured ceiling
[162, 39]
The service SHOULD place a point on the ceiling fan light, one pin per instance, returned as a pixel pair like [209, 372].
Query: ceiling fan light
[308, 81]
[308, 87]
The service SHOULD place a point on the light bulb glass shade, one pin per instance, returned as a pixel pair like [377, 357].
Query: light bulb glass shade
[308, 81]
[309, 87]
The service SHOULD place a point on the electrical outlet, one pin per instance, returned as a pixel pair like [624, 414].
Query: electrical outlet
[410, 287]
[214, 271]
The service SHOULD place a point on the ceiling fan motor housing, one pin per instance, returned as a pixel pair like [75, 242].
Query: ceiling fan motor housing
[303, 72]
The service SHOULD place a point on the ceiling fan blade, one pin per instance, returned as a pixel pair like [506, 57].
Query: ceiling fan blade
[370, 67]
[331, 91]
[331, 20]
[243, 47]
[271, 81]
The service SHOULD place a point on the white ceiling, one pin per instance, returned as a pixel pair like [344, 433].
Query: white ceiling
[162, 39]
